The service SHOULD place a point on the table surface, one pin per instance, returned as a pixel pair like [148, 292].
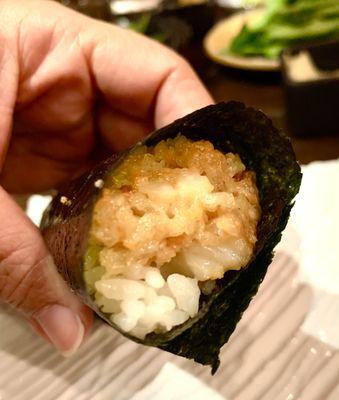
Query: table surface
[264, 91]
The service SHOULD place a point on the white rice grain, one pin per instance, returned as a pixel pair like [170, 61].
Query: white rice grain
[154, 278]
[120, 289]
[186, 293]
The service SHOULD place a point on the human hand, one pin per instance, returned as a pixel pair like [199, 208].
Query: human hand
[70, 86]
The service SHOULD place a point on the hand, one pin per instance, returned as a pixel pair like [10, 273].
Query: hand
[70, 85]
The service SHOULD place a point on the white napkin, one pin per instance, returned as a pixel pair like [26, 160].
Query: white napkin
[36, 205]
[312, 236]
[173, 383]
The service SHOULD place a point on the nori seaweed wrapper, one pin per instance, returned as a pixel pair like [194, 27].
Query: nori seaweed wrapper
[231, 127]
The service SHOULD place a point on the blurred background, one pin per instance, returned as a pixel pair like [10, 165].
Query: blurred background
[281, 56]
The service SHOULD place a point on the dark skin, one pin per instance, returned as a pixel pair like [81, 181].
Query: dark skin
[73, 90]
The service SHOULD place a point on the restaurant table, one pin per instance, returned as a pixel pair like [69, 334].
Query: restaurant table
[262, 90]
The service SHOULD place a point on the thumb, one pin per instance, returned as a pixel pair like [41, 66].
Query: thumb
[30, 282]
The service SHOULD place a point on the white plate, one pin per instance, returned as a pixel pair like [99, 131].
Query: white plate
[221, 36]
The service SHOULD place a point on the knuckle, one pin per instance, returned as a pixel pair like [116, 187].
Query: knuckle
[180, 63]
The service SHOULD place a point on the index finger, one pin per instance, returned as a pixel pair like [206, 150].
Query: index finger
[140, 77]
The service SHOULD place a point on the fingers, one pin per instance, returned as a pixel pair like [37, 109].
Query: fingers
[119, 131]
[179, 94]
[140, 77]
[9, 72]
[62, 53]
[30, 283]
[28, 278]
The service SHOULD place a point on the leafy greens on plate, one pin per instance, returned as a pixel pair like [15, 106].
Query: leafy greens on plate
[287, 23]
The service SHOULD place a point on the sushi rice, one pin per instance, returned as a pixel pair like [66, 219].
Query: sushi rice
[170, 220]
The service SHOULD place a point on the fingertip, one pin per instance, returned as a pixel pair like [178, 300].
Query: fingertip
[85, 323]
[64, 328]
[120, 131]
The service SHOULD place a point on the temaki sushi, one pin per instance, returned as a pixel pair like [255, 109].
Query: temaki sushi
[169, 241]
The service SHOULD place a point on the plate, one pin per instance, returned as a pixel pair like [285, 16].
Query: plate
[240, 4]
[221, 36]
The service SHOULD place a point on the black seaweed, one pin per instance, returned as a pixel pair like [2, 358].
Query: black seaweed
[265, 150]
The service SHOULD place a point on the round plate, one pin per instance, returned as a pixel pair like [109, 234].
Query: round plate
[221, 36]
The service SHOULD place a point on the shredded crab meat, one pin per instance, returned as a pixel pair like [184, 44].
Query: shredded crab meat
[180, 212]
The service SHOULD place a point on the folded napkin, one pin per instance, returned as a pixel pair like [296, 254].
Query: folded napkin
[312, 237]
[173, 383]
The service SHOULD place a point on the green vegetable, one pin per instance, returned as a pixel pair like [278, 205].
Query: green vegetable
[287, 23]
[92, 272]
[142, 25]
[251, 3]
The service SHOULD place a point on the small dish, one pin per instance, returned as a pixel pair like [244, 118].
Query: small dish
[221, 36]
